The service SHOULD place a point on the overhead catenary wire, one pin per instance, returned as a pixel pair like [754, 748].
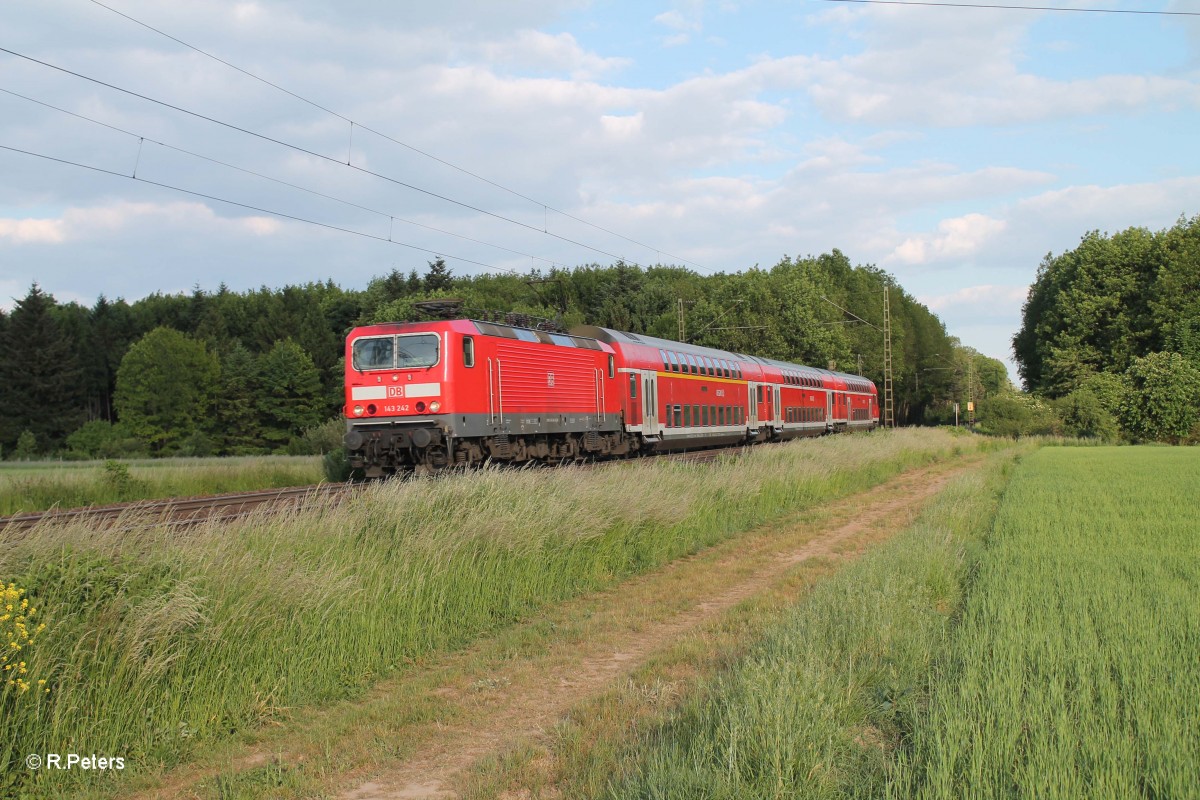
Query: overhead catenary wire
[316, 154]
[1007, 7]
[391, 217]
[259, 209]
[355, 123]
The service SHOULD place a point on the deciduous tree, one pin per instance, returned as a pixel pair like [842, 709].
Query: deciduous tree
[165, 388]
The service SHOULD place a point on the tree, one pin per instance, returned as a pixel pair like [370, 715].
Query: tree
[41, 388]
[289, 394]
[240, 426]
[102, 439]
[165, 388]
[26, 449]
[1084, 415]
[1109, 301]
[438, 277]
[1160, 402]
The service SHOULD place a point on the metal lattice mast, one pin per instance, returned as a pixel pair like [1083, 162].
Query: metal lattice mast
[889, 411]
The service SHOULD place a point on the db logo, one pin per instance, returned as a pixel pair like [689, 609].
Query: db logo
[395, 391]
[550, 379]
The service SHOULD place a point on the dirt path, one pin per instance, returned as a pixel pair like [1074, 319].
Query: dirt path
[522, 701]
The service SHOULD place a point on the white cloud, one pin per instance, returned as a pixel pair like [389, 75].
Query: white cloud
[684, 21]
[954, 70]
[32, 231]
[955, 238]
[555, 53]
[89, 223]
[987, 299]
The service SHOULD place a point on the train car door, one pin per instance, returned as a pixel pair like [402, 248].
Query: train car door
[828, 408]
[650, 403]
[633, 404]
[753, 390]
[763, 395]
[778, 410]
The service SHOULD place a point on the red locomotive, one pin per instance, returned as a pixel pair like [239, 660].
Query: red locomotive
[428, 395]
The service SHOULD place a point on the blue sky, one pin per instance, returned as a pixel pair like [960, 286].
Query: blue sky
[954, 147]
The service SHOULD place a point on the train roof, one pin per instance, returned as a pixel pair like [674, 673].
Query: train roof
[622, 337]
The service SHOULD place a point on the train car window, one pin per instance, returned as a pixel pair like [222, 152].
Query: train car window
[585, 344]
[525, 335]
[612, 367]
[760, 394]
[674, 361]
[633, 382]
[418, 350]
[468, 351]
[703, 415]
[708, 365]
[663, 355]
[562, 341]
[377, 353]
[687, 416]
[728, 371]
[692, 367]
[696, 415]
[678, 416]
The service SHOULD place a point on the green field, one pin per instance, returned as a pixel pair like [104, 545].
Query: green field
[158, 642]
[28, 486]
[1032, 634]
[1075, 670]
[1042, 645]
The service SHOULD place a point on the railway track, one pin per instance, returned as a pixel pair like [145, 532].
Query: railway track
[184, 511]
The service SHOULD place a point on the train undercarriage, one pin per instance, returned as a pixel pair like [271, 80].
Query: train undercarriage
[425, 447]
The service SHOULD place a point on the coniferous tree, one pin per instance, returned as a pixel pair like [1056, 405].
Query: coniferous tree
[290, 397]
[238, 417]
[438, 277]
[41, 386]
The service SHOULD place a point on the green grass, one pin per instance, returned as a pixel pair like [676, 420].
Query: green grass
[1031, 640]
[819, 706]
[42, 485]
[161, 640]
[1074, 673]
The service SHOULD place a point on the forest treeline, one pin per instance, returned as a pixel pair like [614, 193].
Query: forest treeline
[224, 372]
[1111, 334]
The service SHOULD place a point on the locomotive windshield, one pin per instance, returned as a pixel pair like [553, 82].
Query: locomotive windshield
[396, 352]
[416, 351]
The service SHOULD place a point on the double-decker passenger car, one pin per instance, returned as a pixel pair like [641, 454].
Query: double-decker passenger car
[427, 395]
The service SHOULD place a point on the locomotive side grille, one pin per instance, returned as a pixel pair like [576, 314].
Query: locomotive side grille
[535, 382]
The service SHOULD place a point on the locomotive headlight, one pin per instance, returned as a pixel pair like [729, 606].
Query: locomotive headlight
[358, 411]
[435, 406]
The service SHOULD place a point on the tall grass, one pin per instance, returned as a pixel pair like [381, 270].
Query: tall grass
[1075, 673]
[821, 704]
[38, 486]
[158, 640]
